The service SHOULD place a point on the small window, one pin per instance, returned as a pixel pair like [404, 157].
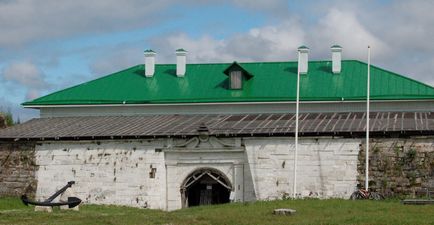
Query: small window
[152, 173]
[236, 79]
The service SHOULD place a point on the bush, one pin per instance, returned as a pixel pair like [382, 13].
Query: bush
[9, 121]
[411, 154]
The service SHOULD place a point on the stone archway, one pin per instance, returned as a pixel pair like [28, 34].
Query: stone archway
[205, 186]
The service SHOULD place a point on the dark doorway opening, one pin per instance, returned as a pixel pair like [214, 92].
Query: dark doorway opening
[205, 187]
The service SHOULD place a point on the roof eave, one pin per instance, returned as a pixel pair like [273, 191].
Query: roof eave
[217, 103]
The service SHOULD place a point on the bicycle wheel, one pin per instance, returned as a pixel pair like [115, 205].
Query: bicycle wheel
[376, 196]
[356, 195]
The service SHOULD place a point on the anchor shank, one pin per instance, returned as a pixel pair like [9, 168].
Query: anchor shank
[51, 198]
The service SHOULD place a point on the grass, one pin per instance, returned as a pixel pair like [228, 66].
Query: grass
[334, 211]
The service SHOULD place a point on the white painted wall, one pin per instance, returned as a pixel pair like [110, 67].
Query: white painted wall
[235, 108]
[117, 172]
[109, 173]
[326, 167]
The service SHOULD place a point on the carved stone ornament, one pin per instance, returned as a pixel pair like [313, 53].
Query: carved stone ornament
[204, 142]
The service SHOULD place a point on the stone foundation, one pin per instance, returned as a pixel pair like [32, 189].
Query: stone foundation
[17, 168]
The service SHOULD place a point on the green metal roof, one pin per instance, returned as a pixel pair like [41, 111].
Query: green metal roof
[272, 81]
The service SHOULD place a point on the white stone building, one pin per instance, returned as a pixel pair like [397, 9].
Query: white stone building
[172, 136]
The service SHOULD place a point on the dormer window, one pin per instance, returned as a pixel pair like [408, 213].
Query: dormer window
[237, 75]
[236, 79]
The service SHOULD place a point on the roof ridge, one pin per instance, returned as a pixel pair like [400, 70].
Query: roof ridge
[263, 62]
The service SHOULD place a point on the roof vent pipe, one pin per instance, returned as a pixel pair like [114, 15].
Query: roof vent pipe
[181, 60]
[336, 58]
[149, 63]
[303, 59]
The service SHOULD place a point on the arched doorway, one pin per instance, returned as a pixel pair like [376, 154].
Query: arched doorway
[205, 186]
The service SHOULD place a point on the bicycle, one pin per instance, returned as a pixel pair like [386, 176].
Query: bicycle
[365, 194]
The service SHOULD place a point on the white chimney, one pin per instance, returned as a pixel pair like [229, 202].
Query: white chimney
[149, 63]
[303, 59]
[181, 60]
[336, 58]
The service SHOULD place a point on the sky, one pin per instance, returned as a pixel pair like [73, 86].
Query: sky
[50, 45]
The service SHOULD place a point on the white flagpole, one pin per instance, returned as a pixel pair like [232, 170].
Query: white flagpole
[296, 128]
[367, 122]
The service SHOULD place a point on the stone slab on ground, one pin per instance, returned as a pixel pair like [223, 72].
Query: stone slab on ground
[43, 209]
[284, 211]
[418, 202]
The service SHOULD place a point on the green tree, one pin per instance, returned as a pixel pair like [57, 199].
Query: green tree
[8, 118]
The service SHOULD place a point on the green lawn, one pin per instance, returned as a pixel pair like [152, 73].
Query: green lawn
[334, 211]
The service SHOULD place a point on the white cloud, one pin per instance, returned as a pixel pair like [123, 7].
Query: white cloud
[26, 21]
[279, 42]
[26, 74]
[268, 43]
[32, 94]
[115, 59]
[263, 43]
[258, 4]
[343, 28]
[276, 7]
[202, 49]
[410, 25]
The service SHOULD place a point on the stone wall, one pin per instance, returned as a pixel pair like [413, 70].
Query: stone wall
[399, 166]
[17, 168]
[138, 173]
[327, 167]
[148, 173]
[118, 172]
[105, 172]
